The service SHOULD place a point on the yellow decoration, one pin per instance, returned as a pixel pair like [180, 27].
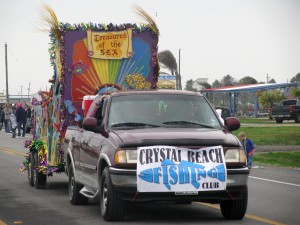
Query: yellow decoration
[110, 45]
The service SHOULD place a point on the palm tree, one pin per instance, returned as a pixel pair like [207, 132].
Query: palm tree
[168, 61]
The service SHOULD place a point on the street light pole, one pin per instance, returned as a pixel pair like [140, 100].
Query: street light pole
[6, 69]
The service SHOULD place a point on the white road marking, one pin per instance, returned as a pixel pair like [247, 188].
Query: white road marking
[275, 181]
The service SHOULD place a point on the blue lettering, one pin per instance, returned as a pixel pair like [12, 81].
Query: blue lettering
[193, 178]
[173, 175]
[156, 174]
[184, 177]
[165, 177]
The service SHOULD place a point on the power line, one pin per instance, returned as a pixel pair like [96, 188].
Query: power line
[15, 58]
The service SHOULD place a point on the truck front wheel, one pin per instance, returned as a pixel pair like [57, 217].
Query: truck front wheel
[112, 207]
[74, 190]
[39, 179]
[235, 209]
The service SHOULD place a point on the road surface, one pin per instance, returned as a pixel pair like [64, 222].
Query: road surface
[274, 198]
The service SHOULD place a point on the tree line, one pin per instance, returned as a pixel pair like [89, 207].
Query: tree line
[228, 80]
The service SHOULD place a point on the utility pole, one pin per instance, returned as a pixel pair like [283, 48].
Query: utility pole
[6, 69]
[267, 78]
[179, 75]
[21, 93]
[28, 90]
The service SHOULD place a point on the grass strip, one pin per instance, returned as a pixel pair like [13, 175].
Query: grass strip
[283, 159]
[249, 120]
[272, 135]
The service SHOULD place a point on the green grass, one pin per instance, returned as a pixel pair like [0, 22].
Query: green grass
[250, 120]
[272, 135]
[284, 159]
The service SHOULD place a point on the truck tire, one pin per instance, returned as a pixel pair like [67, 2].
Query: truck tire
[74, 190]
[30, 169]
[235, 209]
[112, 207]
[278, 120]
[39, 179]
[297, 118]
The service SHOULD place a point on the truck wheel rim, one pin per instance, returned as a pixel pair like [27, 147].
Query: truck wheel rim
[71, 186]
[34, 175]
[104, 197]
[29, 171]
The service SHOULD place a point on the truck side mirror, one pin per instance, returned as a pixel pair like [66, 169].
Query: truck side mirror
[89, 123]
[232, 123]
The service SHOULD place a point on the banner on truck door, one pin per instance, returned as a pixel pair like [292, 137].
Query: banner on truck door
[110, 45]
[180, 170]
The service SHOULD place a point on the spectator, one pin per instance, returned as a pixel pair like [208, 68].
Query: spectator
[14, 124]
[21, 119]
[28, 115]
[1, 117]
[248, 146]
[7, 111]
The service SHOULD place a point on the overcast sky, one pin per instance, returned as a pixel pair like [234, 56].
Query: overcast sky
[216, 37]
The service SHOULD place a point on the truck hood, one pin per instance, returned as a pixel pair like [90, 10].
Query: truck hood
[176, 137]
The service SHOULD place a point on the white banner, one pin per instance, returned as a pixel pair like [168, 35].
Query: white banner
[180, 170]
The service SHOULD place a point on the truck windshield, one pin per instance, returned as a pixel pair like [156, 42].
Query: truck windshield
[171, 110]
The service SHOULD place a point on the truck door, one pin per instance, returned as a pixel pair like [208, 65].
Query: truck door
[91, 143]
[75, 141]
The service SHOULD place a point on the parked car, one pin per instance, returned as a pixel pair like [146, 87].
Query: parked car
[286, 110]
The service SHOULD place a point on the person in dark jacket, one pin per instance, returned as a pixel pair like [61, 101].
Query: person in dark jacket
[1, 117]
[21, 119]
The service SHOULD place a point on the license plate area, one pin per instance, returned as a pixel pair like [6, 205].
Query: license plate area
[186, 193]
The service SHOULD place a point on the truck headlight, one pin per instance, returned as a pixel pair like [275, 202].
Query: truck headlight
[126, 156]
[235, 156]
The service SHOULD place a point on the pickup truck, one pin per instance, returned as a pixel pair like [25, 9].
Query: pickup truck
[286, 110]
[155, 145]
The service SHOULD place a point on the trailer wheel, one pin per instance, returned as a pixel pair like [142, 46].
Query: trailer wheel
[235, 209]
[278, 120]
[39, 179]
[30, 169]
[112, 207]
[74, 190]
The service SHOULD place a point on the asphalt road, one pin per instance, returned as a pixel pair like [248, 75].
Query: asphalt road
[274, 198]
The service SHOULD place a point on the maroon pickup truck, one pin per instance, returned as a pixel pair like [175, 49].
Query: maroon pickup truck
[156, 145]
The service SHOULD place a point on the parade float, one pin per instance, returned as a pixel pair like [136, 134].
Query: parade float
[87, 59]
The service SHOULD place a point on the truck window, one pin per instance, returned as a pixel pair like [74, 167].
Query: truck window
[161, 109]
[290, 102]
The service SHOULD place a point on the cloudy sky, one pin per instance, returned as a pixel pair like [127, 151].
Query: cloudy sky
[216, 37]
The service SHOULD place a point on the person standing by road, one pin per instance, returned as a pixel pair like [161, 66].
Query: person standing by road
[248, 146]
[28, 115]
[21, 119]
[1, 117]
[14, 124]
[7, 111]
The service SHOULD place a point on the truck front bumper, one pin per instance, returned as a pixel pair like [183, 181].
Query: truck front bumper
[125, 183]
